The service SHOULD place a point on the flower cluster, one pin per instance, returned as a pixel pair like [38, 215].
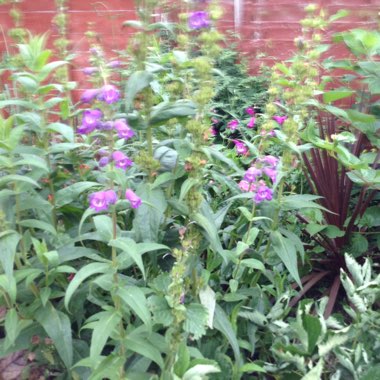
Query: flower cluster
[101, 200]
[253, 181]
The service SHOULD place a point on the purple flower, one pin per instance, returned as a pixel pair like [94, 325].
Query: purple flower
[101, 200]
[199, 20]
[133, 199]
[271, 173]
[90, 70]
[121, 160]
[280, 119]
[252, 173]
[90, 120]
[250, 111]
[89, 95]
[263, 193]
[123, 129]
[114, 64]
[271, 161]
[246, 186]
[251, 122]
[233, 124]
[240, 147]
[213, 131]
[103, 162]
[106, 125]
[109, 94]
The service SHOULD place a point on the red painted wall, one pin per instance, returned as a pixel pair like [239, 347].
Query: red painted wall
[267, 30]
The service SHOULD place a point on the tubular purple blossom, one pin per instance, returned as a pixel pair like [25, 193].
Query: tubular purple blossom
[101, 200]
[133, 199]
[263, 193]
[199, 20]
[89, 95]
[250, 111]
[233, 124]
[123, 129]
[103, 162]
[251, 122]
[90, 70]
[240, 147]
[252, 173]
[279, 119]
[121, 160]
[90, 121]
[109, 94]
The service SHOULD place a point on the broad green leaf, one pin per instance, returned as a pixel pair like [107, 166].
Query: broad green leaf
[145, 348]
[58, 327]
[65, 130]
[254, 264]
[223, 324]
[11, 326]
[208, 300]
[186, 187]
[135, 299]
[8, 245]
[18, 103]
[315, 373]
[183, 360]
[313, 327]
[129, 247]
[65, 147]
[104, 227]
[102, 329]
[9, 285]
[136, 83]
[196, 320]
[300, 201]
[71, 193]
[251, 367]
[15, 178]
[199, 371]
[39, 224]
[33, 160]
[332, 96]
[286, 251]
[166, 111]
[85, 272]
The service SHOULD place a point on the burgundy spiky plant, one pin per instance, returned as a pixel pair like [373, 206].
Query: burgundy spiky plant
[328, 179]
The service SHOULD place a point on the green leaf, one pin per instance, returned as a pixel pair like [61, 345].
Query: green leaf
[102, 329]
[315, 373]
[58, 327]
[8, 245]
[199, 371]
[186, 187]
[39, 224]
[72, 192]
[150, 215]
[140, 345]
[183, 360]
[332, 96]
[223, 324]
[166, 111]
[136, 83]
[15, 178]
[208, 300]
[65, 130]
[286, 251]
[129, 247]
[33, 160]
[313, 327]
[196, 320]
[65, 147]
[86, 271]
[254, 264]
[11, 327]
[300, 201]
[104, 227]
[251, 367]
[135, 299]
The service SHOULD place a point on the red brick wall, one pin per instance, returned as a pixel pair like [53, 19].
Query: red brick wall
[267, 29]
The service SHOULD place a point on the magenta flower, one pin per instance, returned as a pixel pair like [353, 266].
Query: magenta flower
[199, 20]
[213, 131]
[89, 95]
[246, 186]
[268, 133]
[279, 119]
[121, 160]
[123, 129]
[263, 193]
[250, 111]
[214, 120]
[109, 94]
[240, 147]
[133, 199]
[90, 120]
[251, 122]
[101, 200]
[233, 124]
[90, 70]
[252, 173]
[270, 160]
[271, 173]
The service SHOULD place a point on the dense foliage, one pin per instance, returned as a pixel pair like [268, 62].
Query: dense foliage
[171, 225]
